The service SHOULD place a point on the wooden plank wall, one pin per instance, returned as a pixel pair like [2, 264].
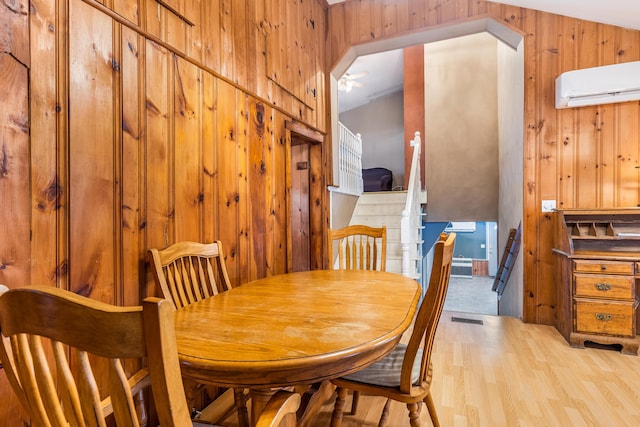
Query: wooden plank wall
[581, 157]
[131, 124]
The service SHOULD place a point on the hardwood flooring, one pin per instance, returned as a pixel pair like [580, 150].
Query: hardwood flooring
[507, 373]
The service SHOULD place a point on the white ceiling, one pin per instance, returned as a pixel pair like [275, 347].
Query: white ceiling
[386, 69]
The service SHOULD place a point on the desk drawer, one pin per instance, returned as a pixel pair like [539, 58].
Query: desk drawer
[603, 267]
[610, 318]
[601, 286]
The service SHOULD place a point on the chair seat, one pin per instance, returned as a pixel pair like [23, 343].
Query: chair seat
[386, 372]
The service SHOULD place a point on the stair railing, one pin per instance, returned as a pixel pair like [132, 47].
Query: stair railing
[350, 161]
[411, 221]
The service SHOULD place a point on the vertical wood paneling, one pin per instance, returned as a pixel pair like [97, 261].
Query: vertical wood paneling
[358, 22]
[433, 12]
[152, 17]
[376, 28]
[260, 168]
[173, 30]
[389, 17]
[46, 182]
[589, 117]
[300, 206]
[225, 38]
[530, 217]
[403, 15]
[194, 32]
[209, 158]
[270, 180]
[628, 184]
[210, 34]
[607, 123]
[567, 119]
[14, 172]
[278, 208]
[627, 131]
[145, 129]
[132, 155]
[417, 14]
[158, 148]
[254, 58]
[316, 192]
[127, 9]
[15, 248]
[243, 139]
[91, 198]
[228, 172]
[337, 36]
[187, 183]
[240, 42]
[14, 38]
[546, 143]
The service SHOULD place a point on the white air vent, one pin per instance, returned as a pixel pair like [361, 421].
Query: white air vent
[599, 85]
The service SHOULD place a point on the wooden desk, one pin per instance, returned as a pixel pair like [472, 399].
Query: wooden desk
[297, 328]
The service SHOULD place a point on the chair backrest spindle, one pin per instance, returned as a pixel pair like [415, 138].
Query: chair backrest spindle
[187, 272]
[359, 247]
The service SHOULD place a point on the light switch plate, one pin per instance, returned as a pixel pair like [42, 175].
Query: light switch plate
[548, 205]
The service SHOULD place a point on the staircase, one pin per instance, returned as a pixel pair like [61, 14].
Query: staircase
[384, 208]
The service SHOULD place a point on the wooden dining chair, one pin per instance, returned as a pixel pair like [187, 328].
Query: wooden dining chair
[405, 374]
[187, 272]
[359, 247]
[44, 331]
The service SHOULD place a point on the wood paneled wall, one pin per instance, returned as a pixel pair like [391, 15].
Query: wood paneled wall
[131, 124]
[581, 157]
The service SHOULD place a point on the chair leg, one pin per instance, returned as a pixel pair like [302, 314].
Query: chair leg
[414, 414]
[354, 402]
[384, 417]
[432, 410]
[338, 409]
[241, 406]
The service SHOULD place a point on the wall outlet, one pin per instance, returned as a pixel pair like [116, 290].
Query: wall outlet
[548, 205]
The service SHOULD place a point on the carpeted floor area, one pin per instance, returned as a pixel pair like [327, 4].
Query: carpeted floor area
[471, 295]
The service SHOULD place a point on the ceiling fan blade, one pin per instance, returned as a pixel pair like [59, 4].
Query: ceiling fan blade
[356, 84]
[358, 75]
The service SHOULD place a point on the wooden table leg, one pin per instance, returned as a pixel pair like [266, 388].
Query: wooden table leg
[259, 399]
[313, 398]
[241, 407]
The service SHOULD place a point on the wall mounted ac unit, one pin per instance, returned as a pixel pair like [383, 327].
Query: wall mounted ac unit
[599, 85]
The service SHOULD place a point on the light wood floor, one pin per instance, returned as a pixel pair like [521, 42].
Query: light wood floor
[507, 373]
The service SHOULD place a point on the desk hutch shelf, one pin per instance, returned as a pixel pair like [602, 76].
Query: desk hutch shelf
[597, 276]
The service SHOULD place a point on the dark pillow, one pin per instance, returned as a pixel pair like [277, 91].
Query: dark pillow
[377, 179]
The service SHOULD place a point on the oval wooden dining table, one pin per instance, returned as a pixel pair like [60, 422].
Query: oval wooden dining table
[296, 328]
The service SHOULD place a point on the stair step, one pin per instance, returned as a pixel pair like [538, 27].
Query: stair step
[379, 209]
[383, 197]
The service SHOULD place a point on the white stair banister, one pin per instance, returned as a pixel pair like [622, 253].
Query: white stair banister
[349, 162]
[411, 222]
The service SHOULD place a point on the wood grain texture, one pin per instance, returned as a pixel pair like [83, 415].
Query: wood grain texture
[507, 373]
[253, 345]
[15, 172]
[599, 144]
[137, 127]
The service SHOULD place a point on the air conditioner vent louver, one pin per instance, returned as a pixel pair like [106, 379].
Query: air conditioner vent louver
[598, 85]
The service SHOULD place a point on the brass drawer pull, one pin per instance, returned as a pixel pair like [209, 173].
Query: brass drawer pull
[604, 317]
[602, 286]
[603, 267]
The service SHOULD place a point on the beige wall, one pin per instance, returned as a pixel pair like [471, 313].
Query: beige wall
[510, 123]
[461, 129]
